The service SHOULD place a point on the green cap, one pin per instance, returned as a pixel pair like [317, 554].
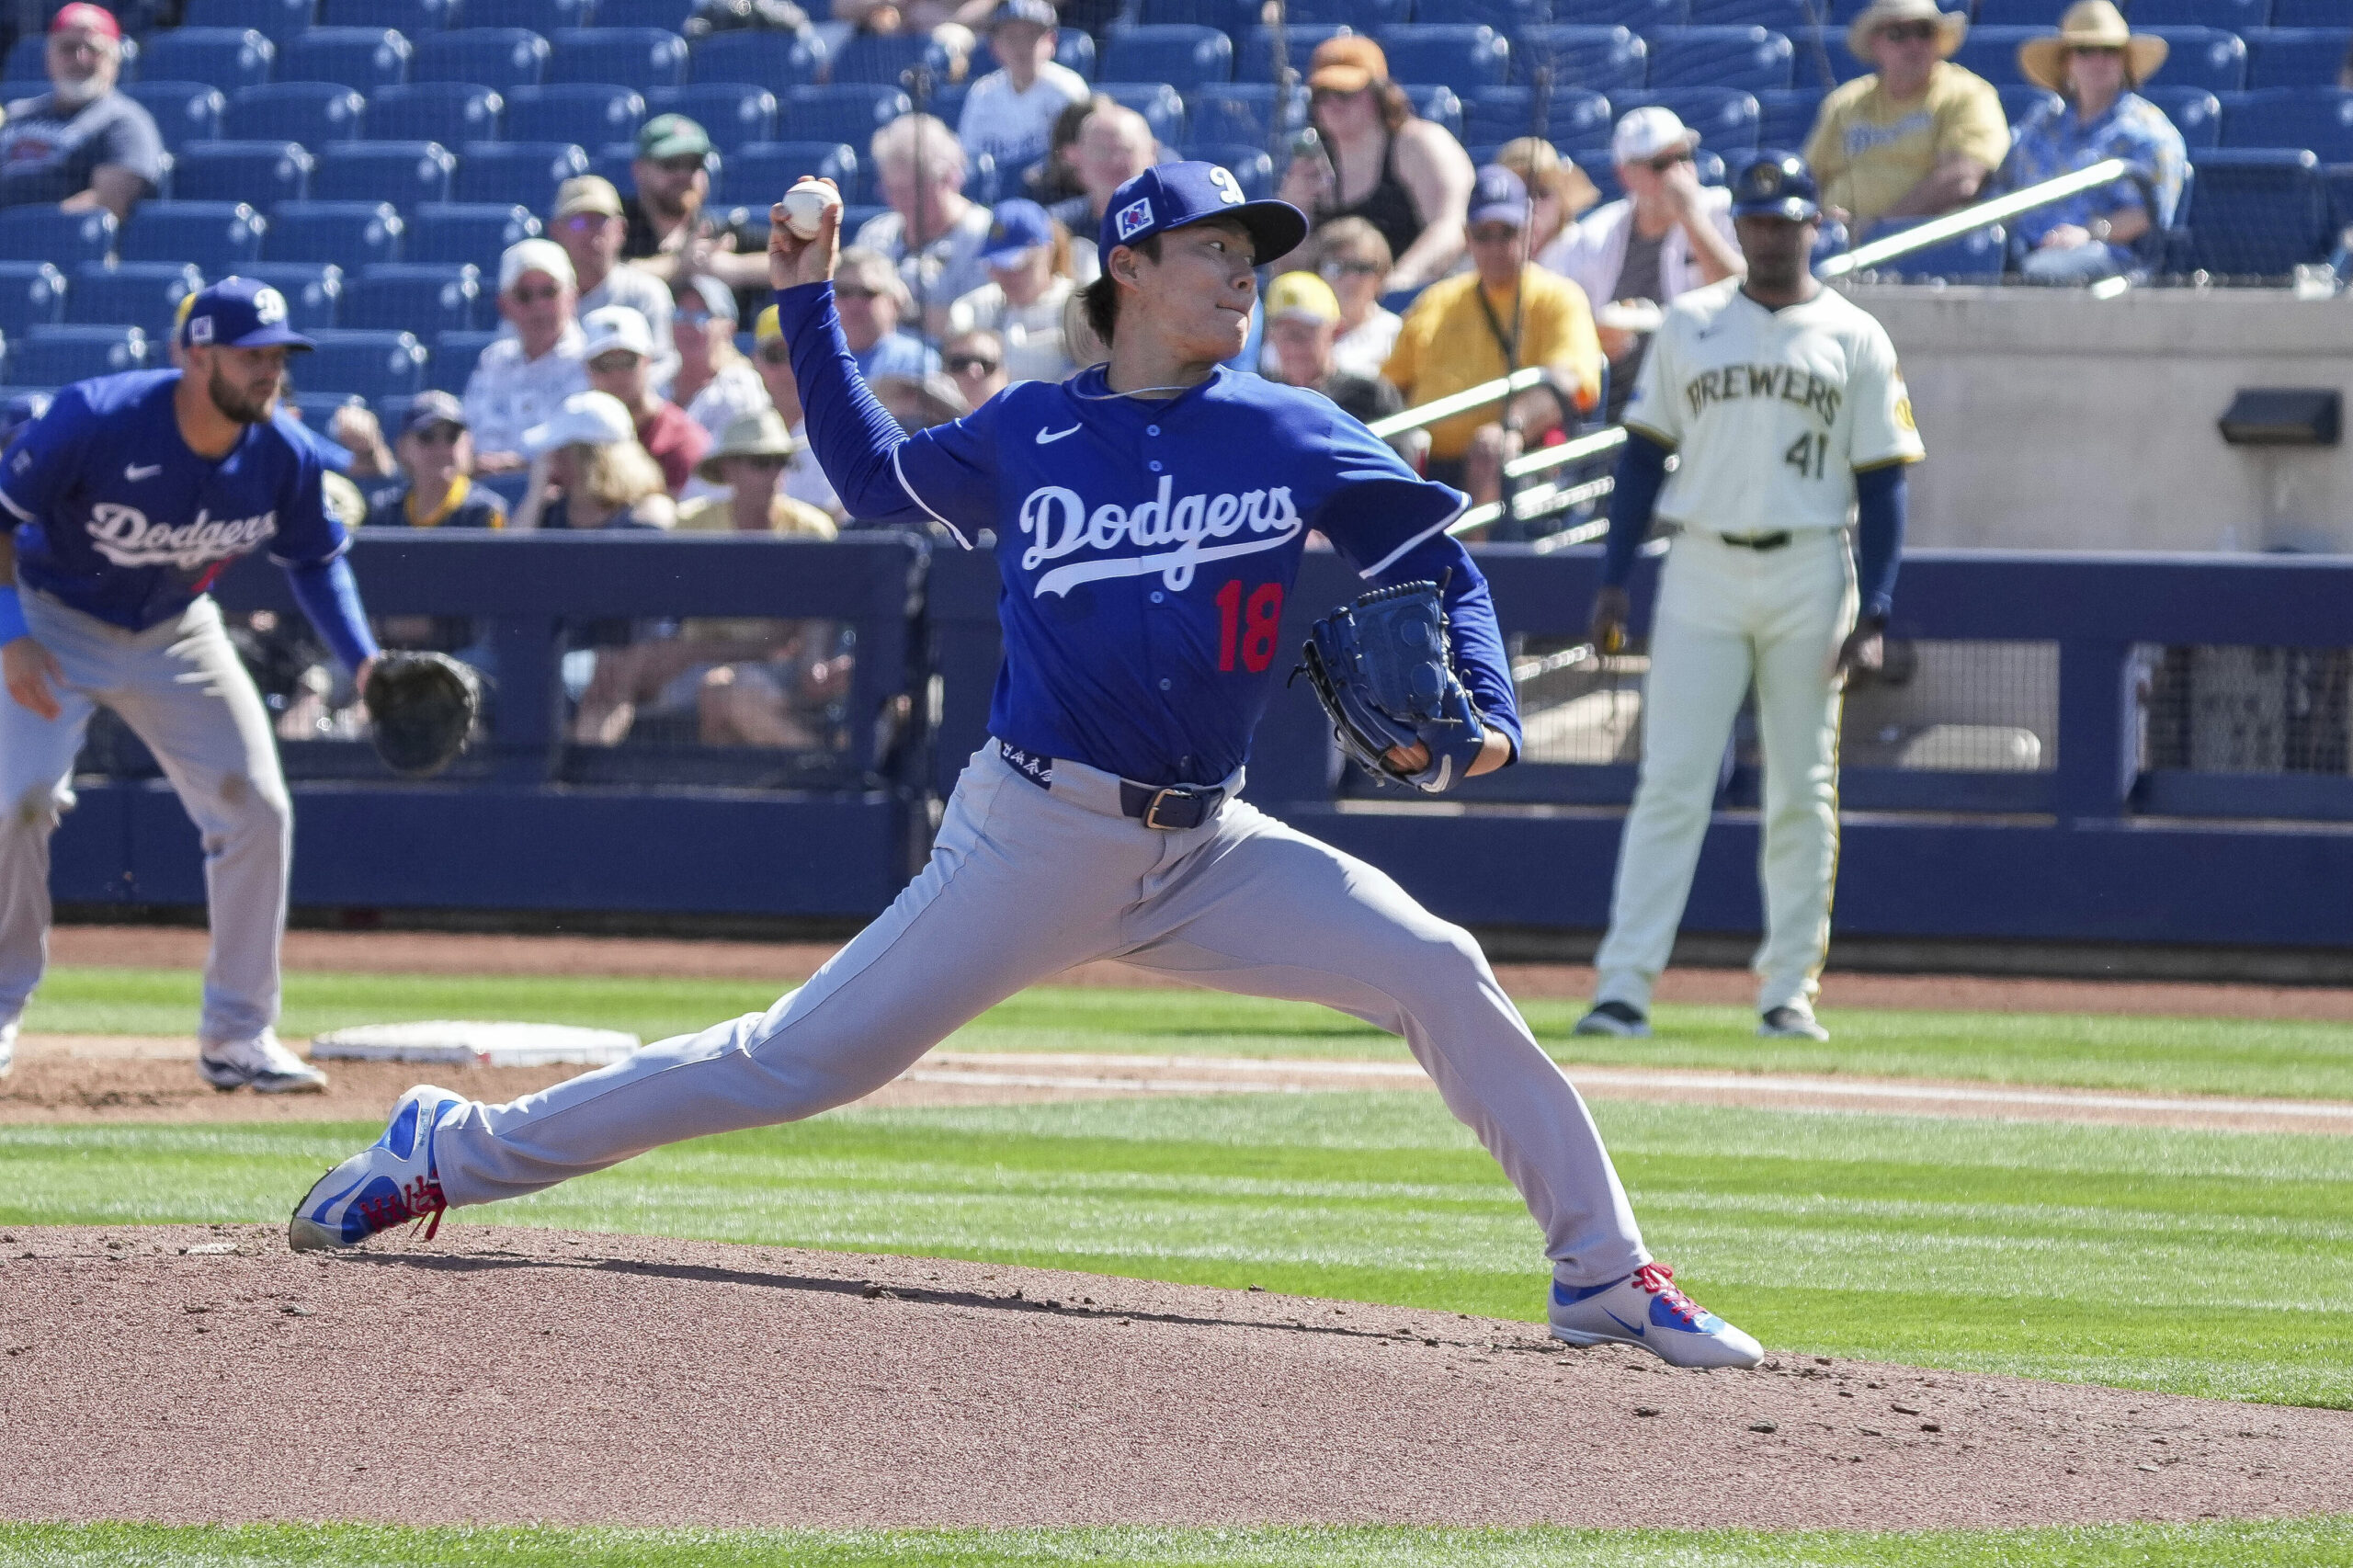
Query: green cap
[671, 136]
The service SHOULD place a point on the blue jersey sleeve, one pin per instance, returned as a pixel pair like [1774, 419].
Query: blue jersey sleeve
[46, 457]
[306, 535]
[951, 470]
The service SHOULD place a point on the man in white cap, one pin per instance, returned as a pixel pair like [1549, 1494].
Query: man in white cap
[620, 355]
[1668, 236]
[523, 380]
[1917, 137]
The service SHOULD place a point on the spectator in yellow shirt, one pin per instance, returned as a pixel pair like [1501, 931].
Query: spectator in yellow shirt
[1503, 314]
[1919, 136]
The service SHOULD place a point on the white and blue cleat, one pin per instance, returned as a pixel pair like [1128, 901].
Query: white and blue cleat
[391, 1182]
[1645, 1309]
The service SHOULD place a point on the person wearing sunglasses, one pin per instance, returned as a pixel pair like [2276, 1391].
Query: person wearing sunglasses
[1918, 136]
[932, 233]
[974, 360]
[435, 452]
[620, 355]
[589, 225]
[873, 302]
[1029, 284]
[524, 375]
[745, 471]
[1352, 258]
[2093, 64]
[804, 479]
[715, 382]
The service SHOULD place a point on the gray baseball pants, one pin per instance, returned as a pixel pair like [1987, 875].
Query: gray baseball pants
[1025, 882]
[182, 689]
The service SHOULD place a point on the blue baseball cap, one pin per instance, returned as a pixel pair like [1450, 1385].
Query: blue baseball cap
[1015, 227]
[1498, 196]
[239, 313]
[1777, 185]
[1169, 196]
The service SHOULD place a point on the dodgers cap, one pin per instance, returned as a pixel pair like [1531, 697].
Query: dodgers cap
[1170, 196]
[239, 313]
[1777, 185]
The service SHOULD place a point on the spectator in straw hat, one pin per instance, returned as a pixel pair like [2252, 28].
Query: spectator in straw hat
[1558, 195]
[2094, 63]
[1919, 135]
[746, 464]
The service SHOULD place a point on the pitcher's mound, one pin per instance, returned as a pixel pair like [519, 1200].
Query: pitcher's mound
[500, 1375]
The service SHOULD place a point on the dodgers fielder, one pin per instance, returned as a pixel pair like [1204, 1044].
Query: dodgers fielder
[125, 500]
[1788, 411]
[1151, 516]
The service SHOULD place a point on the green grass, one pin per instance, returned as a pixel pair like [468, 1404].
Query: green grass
[2193, 1262]
[2304, 1543]
[2236, 1057]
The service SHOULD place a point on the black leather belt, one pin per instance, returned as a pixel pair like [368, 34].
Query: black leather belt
[1757, 542]
[1173, 809]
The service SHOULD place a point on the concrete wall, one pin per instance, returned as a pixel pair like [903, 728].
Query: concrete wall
[2056, 421]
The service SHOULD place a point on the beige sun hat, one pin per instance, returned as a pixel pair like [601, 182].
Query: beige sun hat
[757, 435]
[1952, 26]
[2090, 24]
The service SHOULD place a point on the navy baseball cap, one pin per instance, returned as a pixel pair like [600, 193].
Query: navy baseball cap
[1037, 13]
[1169, 196]
[431, 408]
[1015, 227]
[1777, 185]
[239, 313]
[1498, 196]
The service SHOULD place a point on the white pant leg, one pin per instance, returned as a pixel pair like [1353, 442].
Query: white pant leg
[36, 788]
[1265, 910]
[1812, 605]
[1701, 660]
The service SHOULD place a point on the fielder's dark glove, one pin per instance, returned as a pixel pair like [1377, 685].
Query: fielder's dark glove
[1381, 669]
[424, 708]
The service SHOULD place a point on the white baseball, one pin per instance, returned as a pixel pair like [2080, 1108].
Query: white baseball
[805, 204]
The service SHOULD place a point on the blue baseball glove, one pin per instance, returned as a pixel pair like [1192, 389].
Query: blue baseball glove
[1383, 670]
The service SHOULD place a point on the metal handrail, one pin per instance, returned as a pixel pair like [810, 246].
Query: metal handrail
[1462, 401]
[1935, 230]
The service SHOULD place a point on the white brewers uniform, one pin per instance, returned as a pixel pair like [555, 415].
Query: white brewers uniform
[1770, 413]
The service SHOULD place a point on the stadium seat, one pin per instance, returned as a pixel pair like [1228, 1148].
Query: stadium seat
[466, 231]
[490, 57]
[1252, 169]
[364, 58]
[454, 354]
[2195, 112]
[412, 17]
[2218, 60]
[732, 113]
[1726, 120]
[144, 293]
[759, 171]
[1786, 116]
[616, 161]
[1506, 17]
[1186, 58]
[1246, 111]
[1254, 60]
[1745, 58]
[32, 293]
[846, 111]
[1598, 59]
[1229, 16]
[525, 173]
[425, 298]
[878, 57]
[2294, 57]
[229, 57]
[1602, 169]
[1977, 257]
[185, 112]
[1461, 57]
[363, 363]
[264, 173]
[313, 113]
[541, 16]
[452, 113]
[45, 234]
[1641, 18]
[54, 356]
[1993, 53]
[2018, 100]
[1370, 14]
[2014, 13]
[1436, 102]
[589, 113]
[2306, 14]
[1075, 50]
[402, 173]
[1575, 120]
[1156, 102]
[276, 20]
[349, 234]
[664, 16]
[639, 58]
[2317, 117]
[312, 290]
[2257, 213]
[28, 61]
[217, 236]
[2232, 16]
[774, 60]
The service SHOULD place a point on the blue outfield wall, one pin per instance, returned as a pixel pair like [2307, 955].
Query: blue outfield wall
[2090, 850]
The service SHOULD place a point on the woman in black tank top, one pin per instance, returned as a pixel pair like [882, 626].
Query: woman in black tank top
[1388, 207]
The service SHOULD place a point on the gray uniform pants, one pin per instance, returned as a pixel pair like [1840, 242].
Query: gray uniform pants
[181, 688]
[1025, 882]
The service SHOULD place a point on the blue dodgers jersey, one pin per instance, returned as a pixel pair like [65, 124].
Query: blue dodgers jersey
[1147, 548]
[118, 519]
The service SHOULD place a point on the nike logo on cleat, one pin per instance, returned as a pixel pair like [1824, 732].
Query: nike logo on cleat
[1047, 438]
[137, 472]
[1642, 1333]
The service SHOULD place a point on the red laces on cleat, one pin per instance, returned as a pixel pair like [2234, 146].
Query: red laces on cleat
[1659, 1280]
[420, 1200]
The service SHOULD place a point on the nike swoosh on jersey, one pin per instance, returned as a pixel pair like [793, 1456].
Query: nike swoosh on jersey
[1048, 438]
[137, 472]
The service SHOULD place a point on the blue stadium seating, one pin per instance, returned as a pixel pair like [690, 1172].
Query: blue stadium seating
[2017, 101]
[32, 293]
[1371, 14]
[524, 173]
[363, 363]
[1226, 15]
[1156, 102]
[732, 113]
[452, 113]
[412, 17]
[1976, 256]
[2307, 13]
[1186, 58]
[1076, 50]
[2208, 58]
[183, 112]
[639, 58]
[1246, 112]
[44, 233]
[1598, 59]
[759, 171]
[945, 101]
[846, 111]
[587, 112]
[2018, 13]
[2317, 117]
[53, 355]
[1506, 17]
[669, 16]
[1794, 18]
[2195, 112]
[145, 293]
[614, 162]
[214, 235]
[402, 173]
[1461, 57]
[1745, 58]
[1993, 53]
[1252, 169]
[2234, 16]
[1602, 169]
[229, 57]
[1575, 120]
[425, 298]
[2293, 57]
[454, 354]
[874, 57]
[313, 113]
[1640, 16]
[28, 62]
[365, 58]
[1786, 117]
[2257, 213]
[1437, 102]
[541, 16]
[1254, 56]
[774, 60]
[264, 173]
[349, 234]
[1725, 118]
[312, 290]
[493, 57]
[276, 20]
[466, 231]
